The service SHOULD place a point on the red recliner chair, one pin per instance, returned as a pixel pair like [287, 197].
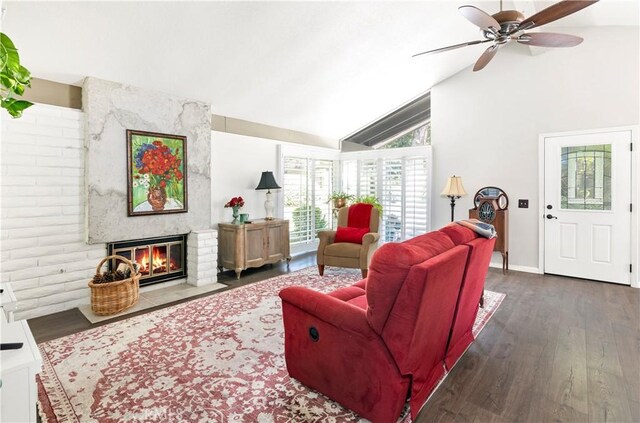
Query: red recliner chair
[472, 289]
[370, 345]
[366, 345]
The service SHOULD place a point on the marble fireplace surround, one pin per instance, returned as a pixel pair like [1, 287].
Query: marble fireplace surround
[110, 109]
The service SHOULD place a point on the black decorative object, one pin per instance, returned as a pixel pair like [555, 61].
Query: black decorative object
[268, 182]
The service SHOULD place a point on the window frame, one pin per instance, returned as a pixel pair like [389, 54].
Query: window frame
[313, 154]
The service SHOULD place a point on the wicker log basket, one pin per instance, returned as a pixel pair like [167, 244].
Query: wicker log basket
[113, 297]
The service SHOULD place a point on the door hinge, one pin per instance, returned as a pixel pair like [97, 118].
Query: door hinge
[631, 268]
[631, 207]
[631, 146]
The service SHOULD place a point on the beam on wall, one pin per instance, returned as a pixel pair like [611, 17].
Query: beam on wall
[54, 93]
[259, 130]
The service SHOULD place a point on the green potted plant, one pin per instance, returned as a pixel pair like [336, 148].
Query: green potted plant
[369, 199]
[14, 78]
[340, 199]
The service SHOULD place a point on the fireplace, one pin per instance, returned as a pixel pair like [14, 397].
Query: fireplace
[161, 259]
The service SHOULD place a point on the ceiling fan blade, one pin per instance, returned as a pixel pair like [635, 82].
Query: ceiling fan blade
[555, 12]
[486, 57]
[453, 47]
[479, 18]
[549, 39]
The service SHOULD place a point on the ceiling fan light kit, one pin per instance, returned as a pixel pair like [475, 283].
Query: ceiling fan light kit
[509, 25]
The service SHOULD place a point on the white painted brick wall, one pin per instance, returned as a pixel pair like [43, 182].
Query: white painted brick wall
[42, 248]
[202, 257]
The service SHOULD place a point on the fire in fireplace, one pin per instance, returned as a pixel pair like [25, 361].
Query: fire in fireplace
[160, 259]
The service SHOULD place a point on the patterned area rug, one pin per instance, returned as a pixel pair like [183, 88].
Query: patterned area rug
[215, 359]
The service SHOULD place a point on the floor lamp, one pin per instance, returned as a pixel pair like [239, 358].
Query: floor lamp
[268, 182]
[453, 190]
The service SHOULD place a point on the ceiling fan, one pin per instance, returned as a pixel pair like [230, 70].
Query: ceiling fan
[509, 25]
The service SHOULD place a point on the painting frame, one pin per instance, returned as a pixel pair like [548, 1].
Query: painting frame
[157, 170]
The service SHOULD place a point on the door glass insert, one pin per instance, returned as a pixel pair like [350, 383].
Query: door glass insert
[175, 257]
[586, 177]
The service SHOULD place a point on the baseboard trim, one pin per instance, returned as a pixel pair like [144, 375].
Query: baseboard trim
[527, 269]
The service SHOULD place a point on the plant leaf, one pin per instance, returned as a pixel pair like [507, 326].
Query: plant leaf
[7, 81]
[13, 77]
[12, 59]
[15, 107]
[23, 75]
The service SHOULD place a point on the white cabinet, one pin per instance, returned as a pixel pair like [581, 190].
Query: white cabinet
[7, 301]
[18, 392]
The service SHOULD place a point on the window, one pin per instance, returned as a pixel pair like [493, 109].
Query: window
[586, 177]
[296, 198]
[416, 198]
[368, 177]
[308, 182]
[391, 199]
[400, 179]
[419, 136]
[409, 125]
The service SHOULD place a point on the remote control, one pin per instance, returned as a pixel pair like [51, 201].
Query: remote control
[11, 346]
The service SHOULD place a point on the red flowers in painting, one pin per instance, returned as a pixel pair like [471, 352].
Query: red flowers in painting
[159, 162]
[235, 202]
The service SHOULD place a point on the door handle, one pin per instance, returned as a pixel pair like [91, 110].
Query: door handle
[549, 216]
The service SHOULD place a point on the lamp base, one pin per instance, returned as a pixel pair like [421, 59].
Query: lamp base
[268, 206]
[453, 205]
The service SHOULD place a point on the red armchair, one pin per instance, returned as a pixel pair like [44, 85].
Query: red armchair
[369, 345]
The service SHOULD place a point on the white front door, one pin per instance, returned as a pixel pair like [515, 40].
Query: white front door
[587, 216]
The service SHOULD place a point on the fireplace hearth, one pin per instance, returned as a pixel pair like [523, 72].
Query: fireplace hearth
[161, 259]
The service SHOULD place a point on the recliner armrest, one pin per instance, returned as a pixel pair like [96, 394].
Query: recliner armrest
[329, 309]
[370, 238]
[326, 237]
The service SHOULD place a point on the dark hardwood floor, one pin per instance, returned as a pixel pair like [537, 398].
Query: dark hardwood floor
[64, 323]
[557, 350]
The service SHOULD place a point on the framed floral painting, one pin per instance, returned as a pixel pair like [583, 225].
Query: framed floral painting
[156, 171]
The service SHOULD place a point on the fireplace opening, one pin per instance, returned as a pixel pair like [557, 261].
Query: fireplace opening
[161, 259]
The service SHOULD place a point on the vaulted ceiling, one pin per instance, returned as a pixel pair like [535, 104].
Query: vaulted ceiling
[325, 68]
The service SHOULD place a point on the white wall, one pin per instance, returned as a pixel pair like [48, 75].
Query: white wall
[485, 125]
[237, 162]
[42, 201]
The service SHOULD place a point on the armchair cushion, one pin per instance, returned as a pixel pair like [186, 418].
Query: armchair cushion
[359, 215]
[349, 234]
[343, 249]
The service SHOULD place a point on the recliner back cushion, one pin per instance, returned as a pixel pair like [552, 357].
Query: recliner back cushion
[389, 268]
[459, 234]
[359, 215]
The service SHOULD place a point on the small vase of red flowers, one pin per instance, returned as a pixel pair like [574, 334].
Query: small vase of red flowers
[235, 203]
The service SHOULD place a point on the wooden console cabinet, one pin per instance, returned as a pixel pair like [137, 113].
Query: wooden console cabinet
[252, 244]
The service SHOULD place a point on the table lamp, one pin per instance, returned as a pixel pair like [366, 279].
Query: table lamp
[268, 182]
[453, 190]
